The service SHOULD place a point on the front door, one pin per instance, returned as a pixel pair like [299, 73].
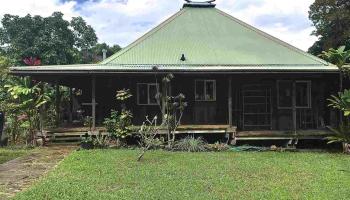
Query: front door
[257, 109]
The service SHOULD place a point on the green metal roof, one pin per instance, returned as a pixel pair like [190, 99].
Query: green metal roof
[208, 36]
[210, 40]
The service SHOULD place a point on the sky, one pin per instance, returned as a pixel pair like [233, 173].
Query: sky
[123, 21]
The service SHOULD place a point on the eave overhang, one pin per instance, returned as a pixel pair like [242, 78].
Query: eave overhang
[118, 69]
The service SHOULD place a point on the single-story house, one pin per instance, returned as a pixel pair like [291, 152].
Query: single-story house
[231, 73]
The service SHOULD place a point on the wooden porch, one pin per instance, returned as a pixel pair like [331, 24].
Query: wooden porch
[260, 107]
[76, 134]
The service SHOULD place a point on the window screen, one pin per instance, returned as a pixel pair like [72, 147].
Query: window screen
[146, 93]
[152, 88]
[210, 90]
[303, 96]
[142, 93]
[285, 93]
[200, 94]
[205, 90]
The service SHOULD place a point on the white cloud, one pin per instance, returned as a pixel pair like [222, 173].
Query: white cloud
[123, 21]
[296, 10]
[36, 7]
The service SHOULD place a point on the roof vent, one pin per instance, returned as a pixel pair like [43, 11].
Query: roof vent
[183, 58]
[199, 4]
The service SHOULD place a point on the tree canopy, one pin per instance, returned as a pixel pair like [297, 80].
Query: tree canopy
[331, 19]
[52, 39]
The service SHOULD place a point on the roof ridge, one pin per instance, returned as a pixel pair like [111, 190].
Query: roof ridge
[144, 37]
[272, 38]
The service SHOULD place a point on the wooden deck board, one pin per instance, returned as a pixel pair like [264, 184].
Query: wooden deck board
[102, 129]
[301, 134]
[206, 129]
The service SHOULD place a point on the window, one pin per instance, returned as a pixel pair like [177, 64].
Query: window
[284, 94]
[303, 94]
[146, 93]
[205, 90]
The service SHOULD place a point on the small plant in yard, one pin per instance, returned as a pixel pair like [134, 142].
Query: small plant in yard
[101, 141]
[218, 146]
[342, 135]
[87, 142]
[148, 136]
[191, 144]
[119, 124]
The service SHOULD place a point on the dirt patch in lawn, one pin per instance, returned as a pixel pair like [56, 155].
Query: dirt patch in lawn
[20, 173]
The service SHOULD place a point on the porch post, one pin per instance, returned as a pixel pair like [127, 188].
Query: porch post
[70, 105]
[57, 102]
[93, 102]
[294, 109]
[229, 103]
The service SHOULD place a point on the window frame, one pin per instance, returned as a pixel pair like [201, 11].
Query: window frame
[309, 97]
[293, 89]
[148, 97]
[205, 90]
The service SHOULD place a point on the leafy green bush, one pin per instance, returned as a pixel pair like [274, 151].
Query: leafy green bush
[119, 125]
[191, 144]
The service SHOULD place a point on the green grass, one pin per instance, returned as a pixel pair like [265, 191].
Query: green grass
[115, 174]
[10, 154]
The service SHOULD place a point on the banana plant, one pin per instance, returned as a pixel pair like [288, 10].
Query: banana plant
[28, 97]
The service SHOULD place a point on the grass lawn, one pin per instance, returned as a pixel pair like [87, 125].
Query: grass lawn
[115, 174]
[10, 154]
